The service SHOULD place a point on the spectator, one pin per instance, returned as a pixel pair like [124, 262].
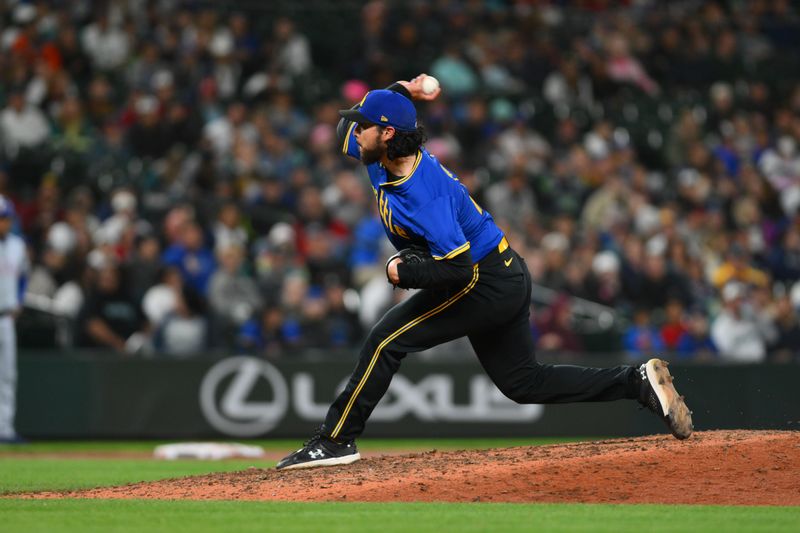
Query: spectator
[642, 339]
[105, 43]
[454, 73]
[72, 134]
[123, 220]
[55, 266]
[735, 332]
[513, 200]
[365, 256]
[293, 296]
[674, 326]
[314, 218]
[568, 86]
[293, 53]
[738, 267]
[184, 331]
[221, 133]
[109, 317]
[233, 295]
[781, 166]
[784, 260]
[225, 70]
[343, 327]
[605, 206]
[161, 298]
[275, 259]
[263, 334]
[22, 126]
[658, 284]
[147, 136]
[519, 150]
[314, 324]
[346, 198]
[604, 284]
[321, 260]
[143, 266]
[269, 205]
[555, 247]
[141, 71]
[623, 67]
[787, 345]
[192, 257]
[695, 341]
[228, 230]
[556, 331]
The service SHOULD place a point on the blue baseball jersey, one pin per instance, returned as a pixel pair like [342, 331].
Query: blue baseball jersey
[429, 207]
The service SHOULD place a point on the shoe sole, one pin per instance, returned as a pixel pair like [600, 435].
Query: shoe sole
[333, 461]
[678, 415]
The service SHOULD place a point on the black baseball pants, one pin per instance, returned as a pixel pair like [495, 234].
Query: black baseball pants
[493, 312]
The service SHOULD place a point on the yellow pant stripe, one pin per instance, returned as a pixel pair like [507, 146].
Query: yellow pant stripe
[393, 336]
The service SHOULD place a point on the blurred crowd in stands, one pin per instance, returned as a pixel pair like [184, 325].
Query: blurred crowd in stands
[175, 167]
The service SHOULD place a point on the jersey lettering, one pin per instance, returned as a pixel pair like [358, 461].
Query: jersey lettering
[397, 230]
[383, 209]
[386, 215]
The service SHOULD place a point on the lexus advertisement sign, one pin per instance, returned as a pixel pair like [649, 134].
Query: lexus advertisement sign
[249, 397]
[240, 397]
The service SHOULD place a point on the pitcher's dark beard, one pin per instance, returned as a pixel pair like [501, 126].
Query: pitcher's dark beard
[371, 156]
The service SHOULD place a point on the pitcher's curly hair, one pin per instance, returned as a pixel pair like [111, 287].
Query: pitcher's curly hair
[405, 143]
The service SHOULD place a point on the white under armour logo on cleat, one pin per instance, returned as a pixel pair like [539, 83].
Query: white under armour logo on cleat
[316, 454]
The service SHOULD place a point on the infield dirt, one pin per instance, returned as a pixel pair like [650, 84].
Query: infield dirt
[715, 467]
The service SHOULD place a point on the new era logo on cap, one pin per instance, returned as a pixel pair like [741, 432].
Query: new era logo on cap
[384, 107]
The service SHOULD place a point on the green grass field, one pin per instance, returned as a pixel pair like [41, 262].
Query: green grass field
[34, 467]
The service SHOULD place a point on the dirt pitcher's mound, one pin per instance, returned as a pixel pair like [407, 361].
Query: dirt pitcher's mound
[717, 467]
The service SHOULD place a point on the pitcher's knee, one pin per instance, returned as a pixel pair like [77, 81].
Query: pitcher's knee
[519, 395]
[525, 386]
[377, 335]
[375, 342]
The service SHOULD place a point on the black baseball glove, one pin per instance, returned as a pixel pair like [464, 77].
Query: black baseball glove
[414, 254]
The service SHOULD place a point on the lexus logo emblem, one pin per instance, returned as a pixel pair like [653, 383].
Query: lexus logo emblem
[232, 396]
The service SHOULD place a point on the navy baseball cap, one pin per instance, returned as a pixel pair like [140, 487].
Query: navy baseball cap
[385, 108]
[6, 207]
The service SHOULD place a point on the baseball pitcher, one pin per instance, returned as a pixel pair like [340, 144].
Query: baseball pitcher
[473, 284]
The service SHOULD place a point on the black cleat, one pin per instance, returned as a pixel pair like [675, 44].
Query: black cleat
[659, 395]
[320, 451]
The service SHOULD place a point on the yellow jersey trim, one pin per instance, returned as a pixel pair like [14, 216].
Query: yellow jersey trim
[346, 145]
[438, 309]
[503, 245]
[408, 177]
[453, 253]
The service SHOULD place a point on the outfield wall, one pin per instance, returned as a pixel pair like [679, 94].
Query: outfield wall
[240, 397]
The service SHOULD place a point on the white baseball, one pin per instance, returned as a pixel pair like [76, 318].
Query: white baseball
[429, 84]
